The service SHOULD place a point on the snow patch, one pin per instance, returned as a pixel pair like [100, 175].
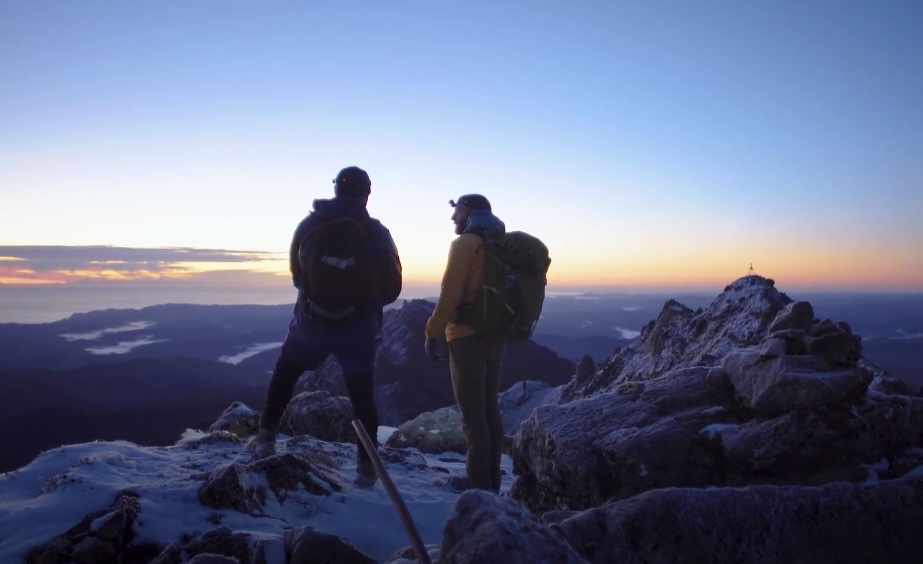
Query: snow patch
[61, 486]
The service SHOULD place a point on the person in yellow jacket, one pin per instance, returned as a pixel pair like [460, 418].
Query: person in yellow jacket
[474, 360]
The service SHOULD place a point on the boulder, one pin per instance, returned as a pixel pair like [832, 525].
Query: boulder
[432, 432]
[320, 415]
[787, 382]
[877, 522]
[487, 529]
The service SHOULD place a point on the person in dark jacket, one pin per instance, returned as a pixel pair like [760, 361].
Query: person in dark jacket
[354, 341]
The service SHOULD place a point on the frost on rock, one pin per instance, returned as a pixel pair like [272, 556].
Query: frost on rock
[680, 337]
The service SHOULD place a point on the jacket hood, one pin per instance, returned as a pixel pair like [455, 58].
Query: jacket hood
[484, 221]
[339, 207]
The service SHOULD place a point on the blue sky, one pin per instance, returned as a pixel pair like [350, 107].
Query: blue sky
[662, 144]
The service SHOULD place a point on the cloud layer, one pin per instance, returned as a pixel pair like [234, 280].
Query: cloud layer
[28, 265]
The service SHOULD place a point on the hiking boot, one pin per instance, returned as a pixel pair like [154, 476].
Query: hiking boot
[364, 466]
[460, 484]
[263, 444]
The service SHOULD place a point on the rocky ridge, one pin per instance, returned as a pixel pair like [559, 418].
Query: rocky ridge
[750, 431]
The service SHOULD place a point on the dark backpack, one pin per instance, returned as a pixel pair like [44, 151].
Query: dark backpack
[337, 270]
[509, 302]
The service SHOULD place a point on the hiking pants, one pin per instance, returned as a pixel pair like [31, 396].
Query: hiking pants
[306, 347]
[474, 363]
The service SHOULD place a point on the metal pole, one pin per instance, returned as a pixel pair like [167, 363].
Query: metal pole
[402, 512]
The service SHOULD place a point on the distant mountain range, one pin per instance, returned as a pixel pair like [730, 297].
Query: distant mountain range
[147, 374]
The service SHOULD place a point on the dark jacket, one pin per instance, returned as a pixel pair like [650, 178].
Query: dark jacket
[389, 272]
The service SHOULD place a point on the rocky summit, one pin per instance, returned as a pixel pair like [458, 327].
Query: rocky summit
[751, 403]
[749, 431]
[680, 337]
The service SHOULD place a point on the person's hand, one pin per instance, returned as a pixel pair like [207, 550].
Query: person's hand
[431, 346]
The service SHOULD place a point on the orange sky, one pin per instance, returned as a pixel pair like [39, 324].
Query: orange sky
[563, 275]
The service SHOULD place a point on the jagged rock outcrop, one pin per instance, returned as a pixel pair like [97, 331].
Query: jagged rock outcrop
[884, 383]
[746, 432]
[98, 537]
[689, 429]
[407, 383]
[680, 337]
[788, 382]
[643, 436]
[237, 419]
[311, 545]
[106, 537]
[320, 415]
[586, 368]
[291, 480]
[231, 487]
[487, 529]
[801, 363]
[761, 524]
[793, 407]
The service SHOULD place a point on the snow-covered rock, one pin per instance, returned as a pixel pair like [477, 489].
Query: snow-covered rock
[238, 419]
[680, 337]
[441, 430]
[431, 432]
[520, 400]
[205, 495]
[321, 415]
[748, 432]
[752, 390]
[791, 381]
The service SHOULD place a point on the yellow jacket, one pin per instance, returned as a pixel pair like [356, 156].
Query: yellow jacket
[464, 273]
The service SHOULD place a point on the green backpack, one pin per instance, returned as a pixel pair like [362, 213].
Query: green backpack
[509, 302]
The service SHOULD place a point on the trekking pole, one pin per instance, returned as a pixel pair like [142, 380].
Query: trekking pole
[395, 496]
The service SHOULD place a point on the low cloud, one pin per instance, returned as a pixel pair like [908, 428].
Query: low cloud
[28, 265]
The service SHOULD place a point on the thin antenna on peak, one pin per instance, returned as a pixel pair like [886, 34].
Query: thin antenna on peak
[751, 272]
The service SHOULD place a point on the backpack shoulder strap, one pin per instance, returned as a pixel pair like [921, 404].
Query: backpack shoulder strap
[328, 223]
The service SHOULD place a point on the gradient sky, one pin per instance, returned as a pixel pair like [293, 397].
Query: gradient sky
[655, 144]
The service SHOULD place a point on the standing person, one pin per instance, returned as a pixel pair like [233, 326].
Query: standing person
[346, 269]
[474, 360]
